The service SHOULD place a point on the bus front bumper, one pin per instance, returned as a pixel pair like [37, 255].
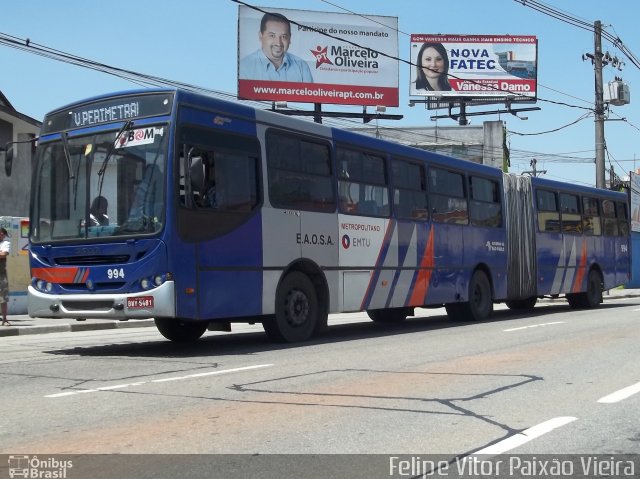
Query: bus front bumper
[155, 303]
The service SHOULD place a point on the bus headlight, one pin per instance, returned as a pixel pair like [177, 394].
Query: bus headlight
[158, 280]
[42, 285]
[145, 283]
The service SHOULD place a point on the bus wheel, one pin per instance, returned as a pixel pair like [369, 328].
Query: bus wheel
[297, 310]
[592, 297]
[522, 304]
[480, 303]
[392, 315]
[179, 330]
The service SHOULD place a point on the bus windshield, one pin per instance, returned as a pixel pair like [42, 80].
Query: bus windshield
[100, 185]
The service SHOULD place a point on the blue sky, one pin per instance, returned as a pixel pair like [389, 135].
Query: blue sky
[195, 41]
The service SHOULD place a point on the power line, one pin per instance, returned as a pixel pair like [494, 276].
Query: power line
[582, 117]
[571, 20]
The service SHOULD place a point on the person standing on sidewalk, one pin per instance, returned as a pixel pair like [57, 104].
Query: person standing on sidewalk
[5, 249]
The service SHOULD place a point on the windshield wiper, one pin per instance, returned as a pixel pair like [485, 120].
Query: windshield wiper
[112, 146]
[67, 154]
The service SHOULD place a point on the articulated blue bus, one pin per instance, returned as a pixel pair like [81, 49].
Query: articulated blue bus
[200, 212]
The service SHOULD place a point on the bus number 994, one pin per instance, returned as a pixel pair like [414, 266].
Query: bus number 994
[115, 273]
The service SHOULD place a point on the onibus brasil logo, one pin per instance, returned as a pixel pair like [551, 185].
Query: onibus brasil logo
[38, 468]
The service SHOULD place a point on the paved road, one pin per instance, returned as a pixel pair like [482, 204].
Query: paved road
[554, 381]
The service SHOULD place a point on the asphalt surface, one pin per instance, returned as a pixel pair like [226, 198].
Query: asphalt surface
[22, 324]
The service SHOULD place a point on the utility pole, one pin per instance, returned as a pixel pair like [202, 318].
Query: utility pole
[599, 120]
[534, 172]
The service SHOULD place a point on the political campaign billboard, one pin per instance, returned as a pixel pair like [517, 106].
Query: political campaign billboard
[317, 57]
[474, 66]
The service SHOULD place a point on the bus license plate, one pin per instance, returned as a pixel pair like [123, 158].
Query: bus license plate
[140, 302]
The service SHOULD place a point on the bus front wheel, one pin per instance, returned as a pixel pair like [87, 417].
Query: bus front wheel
[180, 331]
[297, 310]
[592, 297]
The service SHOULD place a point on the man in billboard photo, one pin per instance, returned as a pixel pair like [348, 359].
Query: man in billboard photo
[272, 61]
[432, 68]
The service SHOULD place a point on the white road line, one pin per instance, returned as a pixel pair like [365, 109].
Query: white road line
[178, 378]
[526, 435]
[636, 309]
[532, 326]
[621, 394]
[210, 373]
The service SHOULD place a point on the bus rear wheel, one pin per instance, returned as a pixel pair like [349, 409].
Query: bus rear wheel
[480, 303]
[179, 330]
[297, 311]
[391, 315]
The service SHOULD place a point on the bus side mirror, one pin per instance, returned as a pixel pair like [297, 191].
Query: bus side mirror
[196, 172]
[8, 159]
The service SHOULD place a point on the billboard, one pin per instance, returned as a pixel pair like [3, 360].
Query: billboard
[474, 66]
[318, 57]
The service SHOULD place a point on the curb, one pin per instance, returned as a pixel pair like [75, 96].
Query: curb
[75, 327]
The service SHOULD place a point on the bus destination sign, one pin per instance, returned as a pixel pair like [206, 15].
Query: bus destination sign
[108, 111]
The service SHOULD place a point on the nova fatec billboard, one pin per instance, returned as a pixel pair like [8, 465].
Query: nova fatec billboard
[474, 66]
[317, 57]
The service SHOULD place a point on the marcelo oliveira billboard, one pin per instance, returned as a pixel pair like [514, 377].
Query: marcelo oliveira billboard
[317, 57]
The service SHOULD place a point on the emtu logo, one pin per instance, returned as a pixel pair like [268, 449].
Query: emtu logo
[320, 54]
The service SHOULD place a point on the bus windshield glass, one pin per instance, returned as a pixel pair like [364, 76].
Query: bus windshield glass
[105, 184]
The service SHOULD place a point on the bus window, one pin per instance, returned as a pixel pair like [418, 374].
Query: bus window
[447, 197]
[590, 217]
[610, 222]
[570, 209]
[362, 183]
[219, 175]
[299, 172]
[548, 215]
[485, 207]
[221, 180]
[623, 219]
[409, 190]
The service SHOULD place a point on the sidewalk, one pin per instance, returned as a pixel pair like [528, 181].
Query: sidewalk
[22, 324]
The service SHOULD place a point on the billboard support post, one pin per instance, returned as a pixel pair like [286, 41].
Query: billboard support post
[462, 116]
[317, 112]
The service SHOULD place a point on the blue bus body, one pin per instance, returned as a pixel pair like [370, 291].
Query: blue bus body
[306, 220]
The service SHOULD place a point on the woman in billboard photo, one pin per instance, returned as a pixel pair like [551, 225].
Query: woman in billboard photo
[432, 67]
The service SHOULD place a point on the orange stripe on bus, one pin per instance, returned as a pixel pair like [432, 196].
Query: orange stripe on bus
[582, 267]
[421, 286]
[55, 275]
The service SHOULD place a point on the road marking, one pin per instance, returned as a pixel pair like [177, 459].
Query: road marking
[178, 378]
[532, 326]
[526, 435]
[621, 394]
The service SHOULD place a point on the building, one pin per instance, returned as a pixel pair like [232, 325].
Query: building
[14, 197]
[14, 191]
